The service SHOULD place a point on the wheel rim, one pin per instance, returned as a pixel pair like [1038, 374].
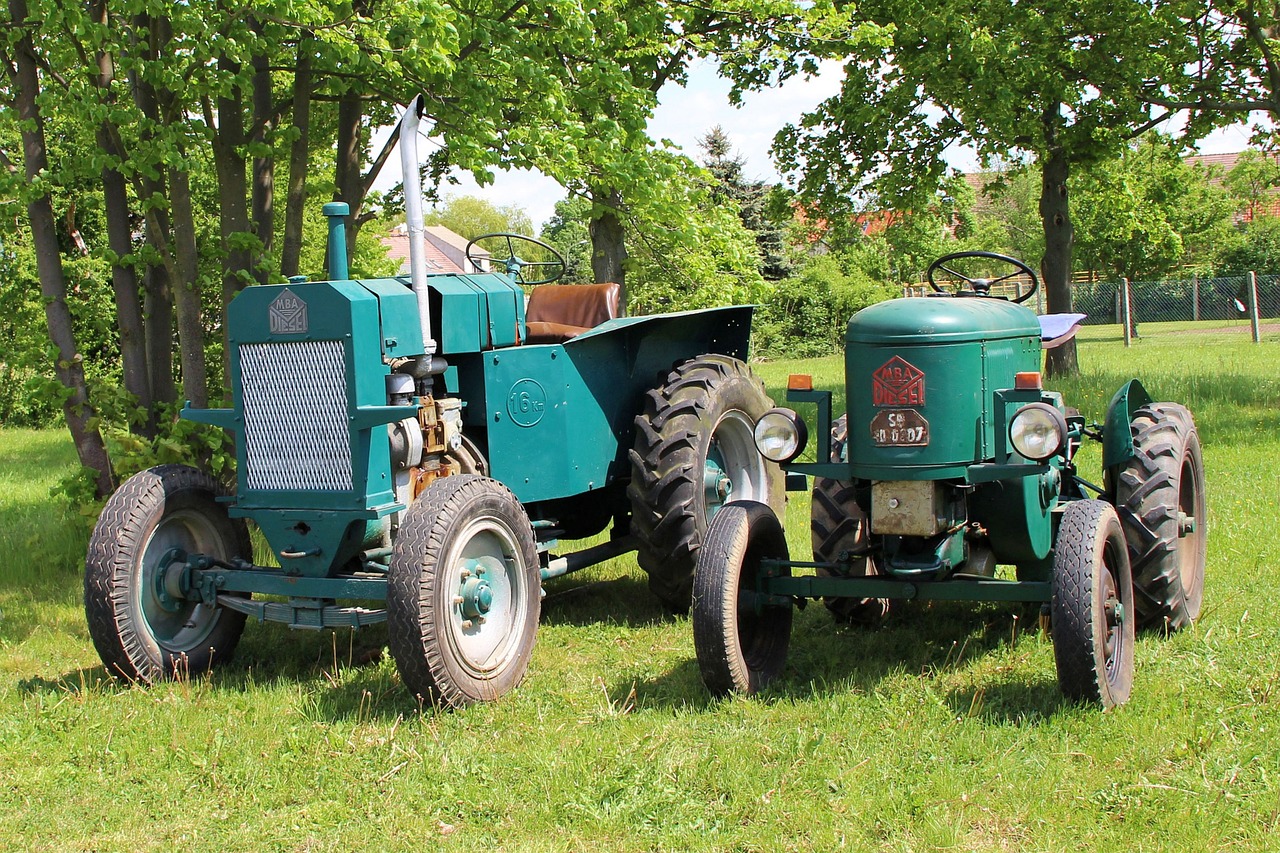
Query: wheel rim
[489, 604]
[1113, 615]
[734, 469]
[176, 625]
[1190, 528]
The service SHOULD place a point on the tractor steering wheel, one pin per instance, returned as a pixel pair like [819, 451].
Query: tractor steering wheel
[514, 265]
[980, 286]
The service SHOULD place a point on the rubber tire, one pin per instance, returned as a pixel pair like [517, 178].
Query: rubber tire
[1090, 562]
[155, 510]
[739, 651]
[1163, 481]
[423, 620]
[836, 524]
[705, 397]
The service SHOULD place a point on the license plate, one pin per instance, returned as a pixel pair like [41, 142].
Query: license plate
[899, 428]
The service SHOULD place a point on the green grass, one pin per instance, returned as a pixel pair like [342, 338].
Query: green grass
[942, 729]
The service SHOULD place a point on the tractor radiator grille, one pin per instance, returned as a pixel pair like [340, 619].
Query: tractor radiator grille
[295, 416]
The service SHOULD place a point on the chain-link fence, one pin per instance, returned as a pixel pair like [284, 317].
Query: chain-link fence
[1177, 299]
[1251, 299]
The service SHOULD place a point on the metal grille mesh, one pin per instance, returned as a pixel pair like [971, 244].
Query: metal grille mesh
[295, 416]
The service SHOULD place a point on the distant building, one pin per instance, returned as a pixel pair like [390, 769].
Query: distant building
[446, 251]
[1217, 166]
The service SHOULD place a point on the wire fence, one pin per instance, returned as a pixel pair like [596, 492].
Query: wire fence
[1178, 299]
[1253, 298]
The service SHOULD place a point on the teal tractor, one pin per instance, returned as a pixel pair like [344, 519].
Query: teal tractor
[415, 450]
[950, 462]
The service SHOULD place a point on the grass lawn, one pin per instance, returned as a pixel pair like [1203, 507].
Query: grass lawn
[944, 728]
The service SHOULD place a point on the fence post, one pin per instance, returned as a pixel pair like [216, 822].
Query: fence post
[1253, 308]
[1195, 298]
[1125, 308]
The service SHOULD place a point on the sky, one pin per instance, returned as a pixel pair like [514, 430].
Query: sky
[685, 114]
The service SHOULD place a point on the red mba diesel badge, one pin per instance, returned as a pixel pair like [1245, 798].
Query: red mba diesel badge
[897, 383]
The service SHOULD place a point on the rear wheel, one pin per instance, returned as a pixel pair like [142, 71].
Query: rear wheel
[1159, 495]
[694, 451]
[143, 625]
[741, 638]
[839, 526]
[463, 592]
[1091, 610]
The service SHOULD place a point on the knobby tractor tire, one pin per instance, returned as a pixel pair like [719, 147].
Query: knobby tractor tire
[741, 643]
[1091, 610]
[1160, 498]
[836, 525]
[141, 632]
[694, 450]
[463, 592]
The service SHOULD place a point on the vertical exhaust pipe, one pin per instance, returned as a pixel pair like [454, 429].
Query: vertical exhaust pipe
[413, 218]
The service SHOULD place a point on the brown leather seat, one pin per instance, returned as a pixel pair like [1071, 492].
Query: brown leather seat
[557, 312]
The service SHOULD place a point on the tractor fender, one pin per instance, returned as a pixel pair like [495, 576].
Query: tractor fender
[1117, 437]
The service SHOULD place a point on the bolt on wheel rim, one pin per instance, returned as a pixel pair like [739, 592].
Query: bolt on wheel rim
[1113, 618]
[489, 596]
[734, 469]
[177, 625]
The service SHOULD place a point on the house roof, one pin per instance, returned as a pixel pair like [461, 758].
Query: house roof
[397, 243]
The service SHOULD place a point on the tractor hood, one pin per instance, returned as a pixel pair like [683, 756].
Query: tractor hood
[941, 319]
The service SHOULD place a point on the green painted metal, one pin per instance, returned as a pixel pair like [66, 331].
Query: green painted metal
[560, 417]
[398, 313]
[263, 581]
[337, 212]
[950, 356]
[945, 556]
[476, 312]
[1117, 438]
[313, 531]
[960, 589]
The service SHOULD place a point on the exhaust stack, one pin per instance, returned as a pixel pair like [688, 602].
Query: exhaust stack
[413, 219]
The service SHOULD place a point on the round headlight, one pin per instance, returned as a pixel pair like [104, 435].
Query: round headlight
[780, 435]
[1038, 431]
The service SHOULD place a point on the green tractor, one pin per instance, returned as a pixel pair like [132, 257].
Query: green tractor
[952, 460]
[414, 451]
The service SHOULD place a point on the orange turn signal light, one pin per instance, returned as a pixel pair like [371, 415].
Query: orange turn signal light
[1029, 381]
[799, 382]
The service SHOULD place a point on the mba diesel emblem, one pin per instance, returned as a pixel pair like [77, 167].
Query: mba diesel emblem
[897, 383]
[287, 315]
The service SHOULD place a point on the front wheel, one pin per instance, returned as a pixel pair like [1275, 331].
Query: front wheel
[739, 634]
[143, 625]
[463, 592]
[1092, 606]
[694, 452]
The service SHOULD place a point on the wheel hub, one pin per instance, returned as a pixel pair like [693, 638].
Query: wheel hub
[716, 483]
[172, 580]
[476, 593]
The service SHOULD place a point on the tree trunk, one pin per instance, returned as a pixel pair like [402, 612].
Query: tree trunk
[608, 250]
[1055, 267]
[264, 187]
[79, 414]
[348, 183]
[124, 281]
[159, 308]
[299, 156]
[228, 145]
[180, 254]
[186, 295]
